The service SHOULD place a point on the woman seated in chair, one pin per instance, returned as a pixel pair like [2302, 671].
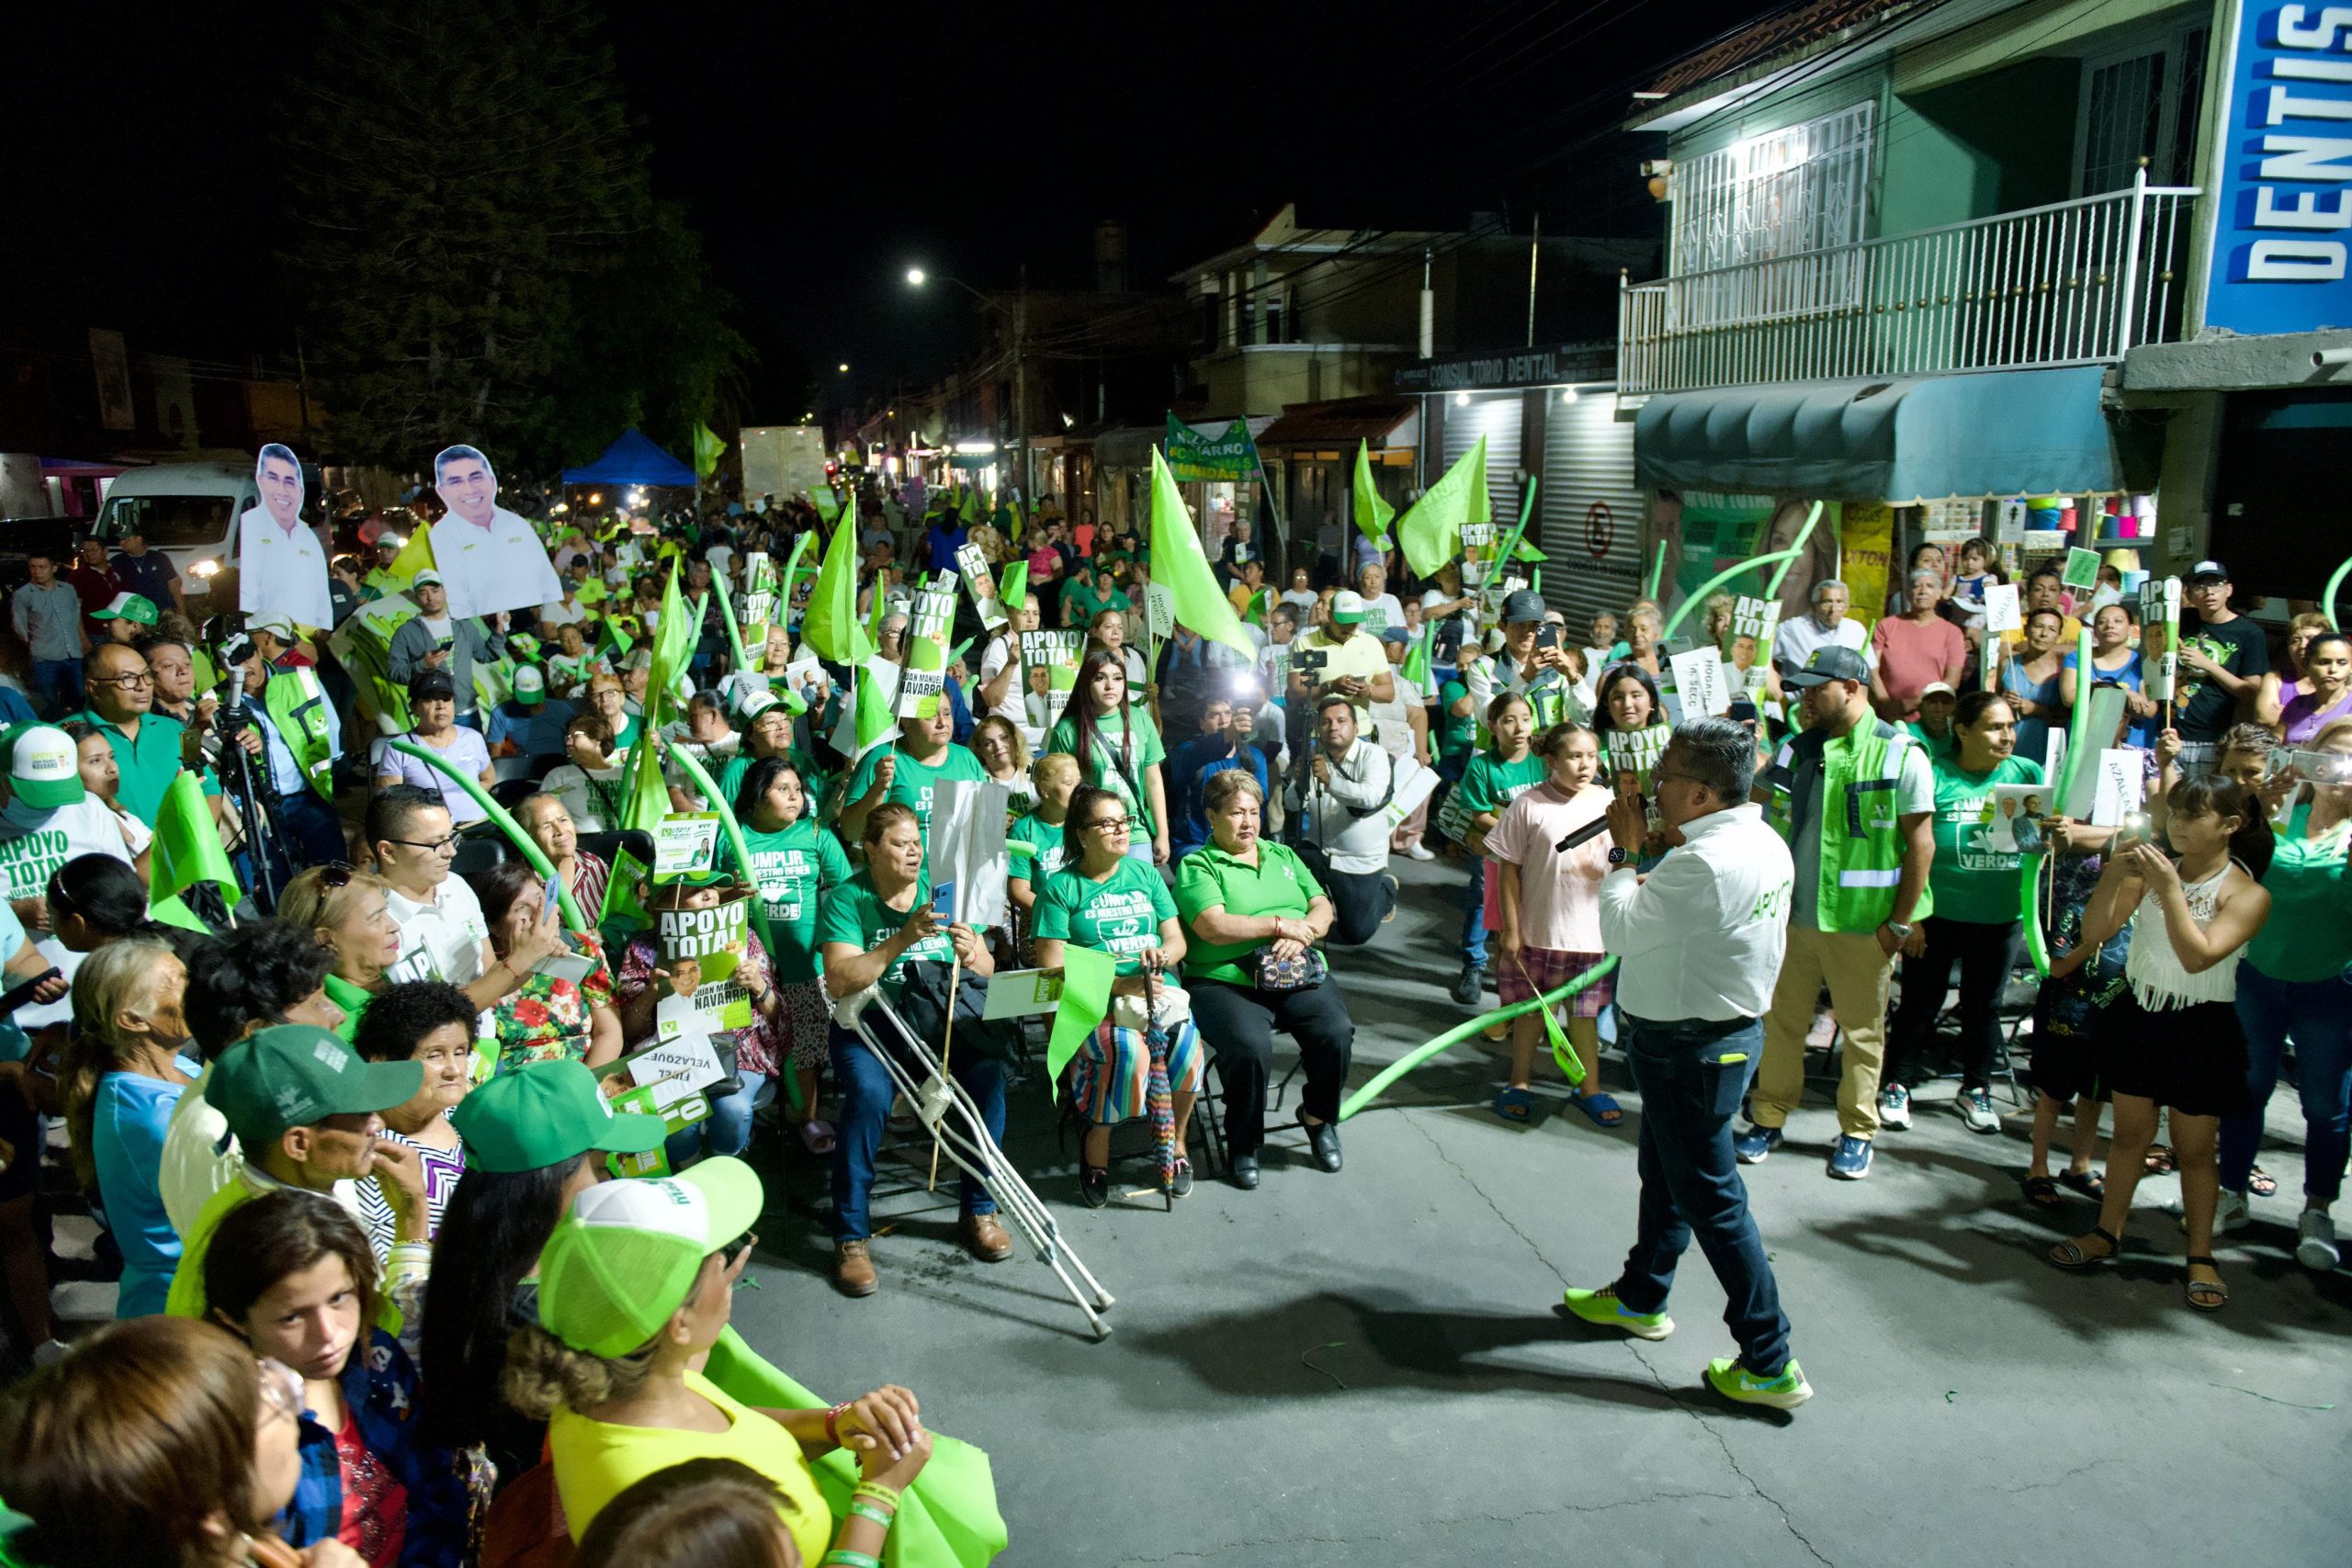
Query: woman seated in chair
[550, 823]
[1252, 913]
[432, 715]
[1107, 900]
[545, 1016]
[345, 910]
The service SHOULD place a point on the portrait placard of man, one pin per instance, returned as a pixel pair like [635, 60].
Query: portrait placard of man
[489, 556]
[281, 571]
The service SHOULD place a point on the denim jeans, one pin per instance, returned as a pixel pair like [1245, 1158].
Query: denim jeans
[1473, 915]
[1692, 1075]
[867, 1091]
[727, 1129]
[2318, 1013]
[57, 684]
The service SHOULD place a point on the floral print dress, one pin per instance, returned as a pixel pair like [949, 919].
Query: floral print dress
[546, 1020]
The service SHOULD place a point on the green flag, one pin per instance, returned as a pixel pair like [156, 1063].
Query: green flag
[708, 449]
[1416, 659]
[1372, 513]
[1432, 529]
[875, 722]
[968, 510]
[830, 626]
[1179, 562]
[1012, 586]
[1086, 993]
[186, 851]
[828, 504]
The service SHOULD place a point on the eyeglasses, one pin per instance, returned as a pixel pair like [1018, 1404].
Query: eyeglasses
[281, 1387]
[1111, 824]
[132, 681]
[1661, 775]
[447, 846]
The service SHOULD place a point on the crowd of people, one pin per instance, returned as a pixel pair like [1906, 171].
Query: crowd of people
[353, 1145]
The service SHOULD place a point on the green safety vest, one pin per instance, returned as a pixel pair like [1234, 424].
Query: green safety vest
[298, 711]
[1861, 837]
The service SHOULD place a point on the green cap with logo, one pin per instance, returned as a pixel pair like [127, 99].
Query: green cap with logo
[547, 1113]
[626, 1255]
[135, 607]
[297, 1075]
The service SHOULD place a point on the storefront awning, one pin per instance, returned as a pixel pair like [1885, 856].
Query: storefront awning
[1340, 422]
[1905, 441]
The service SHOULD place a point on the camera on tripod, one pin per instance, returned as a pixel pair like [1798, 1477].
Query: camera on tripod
[1311, 662]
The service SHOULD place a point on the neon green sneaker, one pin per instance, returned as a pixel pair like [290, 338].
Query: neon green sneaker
[1603, 1308]
[1736, 1383]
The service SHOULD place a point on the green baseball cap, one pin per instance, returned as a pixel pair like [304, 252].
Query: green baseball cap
[547, 1113]
[42, 768]
[296, 1075]
[135, 607]
[626, 1256]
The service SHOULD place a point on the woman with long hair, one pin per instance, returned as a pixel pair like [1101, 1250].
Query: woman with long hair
[545, 1015]
[794, 860]
[2327, 672]
[2289, 681]
[96, 900]
[1627, 704]
[1119, 749]
[2174, 1041]
[122, 1077]
[997, 741]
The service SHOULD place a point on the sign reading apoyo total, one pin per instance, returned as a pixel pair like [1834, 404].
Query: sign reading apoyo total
[2281, 177]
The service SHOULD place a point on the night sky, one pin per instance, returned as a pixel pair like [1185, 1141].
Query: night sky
[822, 154]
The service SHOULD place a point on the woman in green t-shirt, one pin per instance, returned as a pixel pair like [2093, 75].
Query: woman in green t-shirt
[869, 929]
[1974, 924]
[1118, 747]
[1252, 912]
[792, 861]
[908, 770]
[1106, 899]
[2292, 982]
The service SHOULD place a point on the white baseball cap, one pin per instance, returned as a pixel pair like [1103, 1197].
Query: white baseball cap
[529, 683]
[42, 768]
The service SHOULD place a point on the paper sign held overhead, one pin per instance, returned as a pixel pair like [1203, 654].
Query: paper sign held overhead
[2082, 567]
[2002, 612]
[1698, 679]
[686, 841]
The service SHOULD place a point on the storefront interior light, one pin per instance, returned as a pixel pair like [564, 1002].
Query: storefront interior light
[974, 449]
[1569, 396]
[1462, 399]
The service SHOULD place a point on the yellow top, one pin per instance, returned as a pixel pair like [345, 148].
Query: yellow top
[595, 1461]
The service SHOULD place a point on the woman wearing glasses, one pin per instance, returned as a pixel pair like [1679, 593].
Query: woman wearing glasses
[1108, 900]
[177, 1413]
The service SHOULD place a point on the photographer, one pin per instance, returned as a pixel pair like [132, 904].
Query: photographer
[1344, 834]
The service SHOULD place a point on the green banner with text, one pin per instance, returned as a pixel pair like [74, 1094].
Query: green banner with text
[1228, 453]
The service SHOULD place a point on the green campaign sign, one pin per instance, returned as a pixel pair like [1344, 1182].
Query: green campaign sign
[1228, 453]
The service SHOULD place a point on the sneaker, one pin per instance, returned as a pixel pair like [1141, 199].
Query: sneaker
[1181, 1187]
[1850, 1160]
[1824, 1033]
[1470, 984]
[1894, 1108]
[2232, 1212]
[1603, 1308]
[1094, 1185]
[1975, 1108]
[1395, 889]
[1753, 1144]
[1736, 1383]
[2317, 1247]
[1419, 851]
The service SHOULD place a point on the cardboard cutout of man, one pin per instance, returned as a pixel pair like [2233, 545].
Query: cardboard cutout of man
[281, 571]
[489, 556]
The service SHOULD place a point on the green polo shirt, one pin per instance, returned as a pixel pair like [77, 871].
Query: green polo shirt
[148, 764]
[1279, 884]
[354, 1003]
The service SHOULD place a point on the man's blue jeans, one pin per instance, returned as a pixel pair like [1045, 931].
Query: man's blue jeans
[57, 682]
[1692, 1075]
[727, 1130]
[1473, 915]
[867, 1090]
[2318, 1013]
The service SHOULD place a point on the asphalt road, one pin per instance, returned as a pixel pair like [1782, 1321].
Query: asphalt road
[1370, 1368]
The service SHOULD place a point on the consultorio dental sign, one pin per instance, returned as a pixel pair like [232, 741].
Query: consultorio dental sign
[2281, 183]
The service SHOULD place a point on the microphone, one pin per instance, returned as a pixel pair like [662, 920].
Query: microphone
[1584, 835]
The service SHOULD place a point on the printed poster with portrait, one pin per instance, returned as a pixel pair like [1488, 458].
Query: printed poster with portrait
[281, 570]
[490, 559]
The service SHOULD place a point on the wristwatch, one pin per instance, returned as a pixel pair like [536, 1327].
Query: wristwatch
[1616, 855]
[1902, 933]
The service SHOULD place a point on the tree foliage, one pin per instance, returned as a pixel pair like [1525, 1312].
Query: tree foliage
[467, 202]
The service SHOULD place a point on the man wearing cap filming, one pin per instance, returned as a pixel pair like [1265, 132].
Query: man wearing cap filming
[294, 739]
[281, 569]
[305, 1110]
[443, 639]
[1855, 796]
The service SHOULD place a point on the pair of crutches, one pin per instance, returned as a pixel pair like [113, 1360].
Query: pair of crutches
[951, 1118]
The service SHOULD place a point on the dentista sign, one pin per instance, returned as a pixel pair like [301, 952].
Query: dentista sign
[2281, 183]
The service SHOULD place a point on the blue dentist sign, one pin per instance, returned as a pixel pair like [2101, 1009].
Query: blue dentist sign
[2282, 191]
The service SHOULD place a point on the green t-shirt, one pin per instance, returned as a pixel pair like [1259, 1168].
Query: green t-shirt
[1104, 768]
[792, 869]
[854, 912]
[1936, 748]
[1490, 783]
[2309, 934]
[1119, 915]
[733, 771]
[913, 782]
[1279, 884]
[1969, 880]
[1456, 735]
[1046, 837]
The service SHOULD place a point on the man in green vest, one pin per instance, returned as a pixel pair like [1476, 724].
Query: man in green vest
[1856, 797]
[293, 739]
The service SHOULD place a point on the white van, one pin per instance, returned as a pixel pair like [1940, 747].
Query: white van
[189, 512]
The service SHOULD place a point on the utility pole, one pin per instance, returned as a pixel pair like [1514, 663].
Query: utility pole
[1021, 386]
[1534, 253]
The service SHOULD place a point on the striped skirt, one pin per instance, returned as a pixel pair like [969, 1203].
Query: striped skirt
[1111, 1072]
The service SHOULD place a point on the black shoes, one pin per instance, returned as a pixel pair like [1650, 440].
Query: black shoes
[1324, 1138]
[1470, 984]
[1094, 1185]
[1181, 1187]
[1245, 1172]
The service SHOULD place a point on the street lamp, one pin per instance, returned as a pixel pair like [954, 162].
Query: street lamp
[915, 276]
[843, 367]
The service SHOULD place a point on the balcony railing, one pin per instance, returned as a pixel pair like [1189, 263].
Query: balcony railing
[2073, 282]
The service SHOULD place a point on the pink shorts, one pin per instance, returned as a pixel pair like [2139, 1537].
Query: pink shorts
[1548, 970]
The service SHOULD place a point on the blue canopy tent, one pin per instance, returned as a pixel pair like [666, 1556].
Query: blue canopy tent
[633, 460]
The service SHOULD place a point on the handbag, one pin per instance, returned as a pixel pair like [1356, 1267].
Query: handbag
[1171, 1005]
[1302, 973]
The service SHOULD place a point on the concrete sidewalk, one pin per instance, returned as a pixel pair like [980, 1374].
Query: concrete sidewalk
[1370, 1369]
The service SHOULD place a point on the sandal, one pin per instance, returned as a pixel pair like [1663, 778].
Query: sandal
[2090, 1183]
[2042, 1191]
[1603, 1111]
[2070, 1254]
[2159, 1160]
[817, 1136]
[2206, 1295]
[1514, 1105]
[2262, 1184]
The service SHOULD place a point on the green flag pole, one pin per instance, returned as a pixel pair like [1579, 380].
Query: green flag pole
[1510, 546]
[2327, 601]
[2078, 733]
[727, 613]
[1657, 572]
[1812, 517]
[523, 843]
[1455, 1036]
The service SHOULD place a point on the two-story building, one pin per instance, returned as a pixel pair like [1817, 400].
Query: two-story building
[1926, 256]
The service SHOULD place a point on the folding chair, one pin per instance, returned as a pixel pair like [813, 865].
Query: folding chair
[951, 1117]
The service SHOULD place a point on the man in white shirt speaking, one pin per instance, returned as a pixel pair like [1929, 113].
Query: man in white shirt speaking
[1699, 942]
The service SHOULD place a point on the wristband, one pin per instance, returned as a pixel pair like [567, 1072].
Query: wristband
[841, 1557]
[878, 1491]
[868, 1512]
[832, 1432]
